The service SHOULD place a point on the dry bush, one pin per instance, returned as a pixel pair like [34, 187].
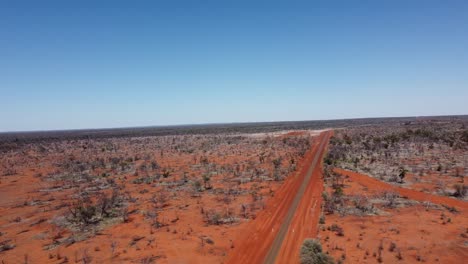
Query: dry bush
[363, 204]
[160, 199]
[336, 228]
[460, 190]
[212, 217]
[390, 198]
[87, 211]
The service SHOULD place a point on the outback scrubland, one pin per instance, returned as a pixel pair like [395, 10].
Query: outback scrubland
[388, 190]
[161, 199]
[397, 193]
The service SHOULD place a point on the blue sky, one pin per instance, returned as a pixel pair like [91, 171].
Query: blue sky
[84, 64]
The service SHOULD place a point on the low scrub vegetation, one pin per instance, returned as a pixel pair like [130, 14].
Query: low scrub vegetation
[312, 253]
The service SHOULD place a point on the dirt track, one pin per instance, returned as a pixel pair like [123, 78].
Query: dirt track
[411, 194]
[292, 215]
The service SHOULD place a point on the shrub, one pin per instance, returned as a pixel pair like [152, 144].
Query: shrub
[402, 173]
[277, 163]
[86, 211]
[336, 228]
[213, 217]
[160, 199]
[197, 186]
[311, 253]
[322, 219]
[390, 198]
[460, 190]
[6, 247]
[206, 181]
[392, 247]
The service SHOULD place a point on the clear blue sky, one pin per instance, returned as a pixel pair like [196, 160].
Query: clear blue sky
[79, 64]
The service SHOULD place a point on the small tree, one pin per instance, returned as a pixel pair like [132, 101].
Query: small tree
[276, 175]
[206, 181]
[277, 163]
[166, 173]
[402, 173]
[197, 186]
[460, 190]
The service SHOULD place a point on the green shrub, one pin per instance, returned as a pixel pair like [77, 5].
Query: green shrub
[311, 253]
[322, 219]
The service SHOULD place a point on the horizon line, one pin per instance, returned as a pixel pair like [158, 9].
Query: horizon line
[219, 123]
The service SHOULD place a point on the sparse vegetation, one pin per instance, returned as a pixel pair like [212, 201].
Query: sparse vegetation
[169, 187]
[420, 160]
[94, 186]
[406, 152]
[87, 212]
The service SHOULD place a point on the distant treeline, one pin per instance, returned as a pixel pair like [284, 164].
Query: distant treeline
[58, 135]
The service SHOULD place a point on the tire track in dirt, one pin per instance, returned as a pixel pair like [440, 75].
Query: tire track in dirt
[264, 238]
[306, 220]
[299, 220]
[378, 185]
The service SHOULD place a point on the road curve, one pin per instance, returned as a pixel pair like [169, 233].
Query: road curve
[376, 184]
[276, 234]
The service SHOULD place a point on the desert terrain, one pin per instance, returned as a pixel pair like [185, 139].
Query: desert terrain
[367, 191]
[144, 199]
[397, 193]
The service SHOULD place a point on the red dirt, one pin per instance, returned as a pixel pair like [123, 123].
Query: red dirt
[29, 206]
[413, 233]
[377, 185]
[417, 233]
[257, 239]
[306, 218]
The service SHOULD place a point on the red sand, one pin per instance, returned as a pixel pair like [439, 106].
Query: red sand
[417, 233]
[254, 243]
[27, 214]
[377, 185]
